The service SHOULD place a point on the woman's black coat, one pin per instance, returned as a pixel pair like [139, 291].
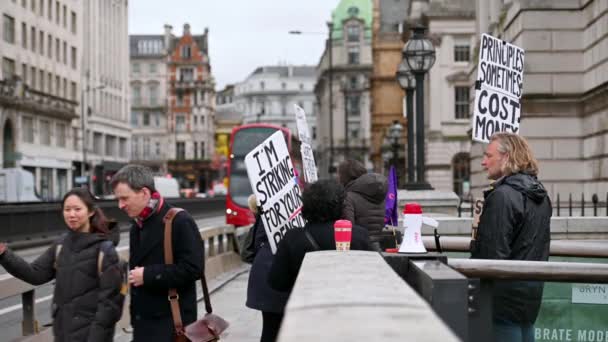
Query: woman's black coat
[86, 304]
[260, 296]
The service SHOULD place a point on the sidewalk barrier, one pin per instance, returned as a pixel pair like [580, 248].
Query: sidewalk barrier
[221, 255]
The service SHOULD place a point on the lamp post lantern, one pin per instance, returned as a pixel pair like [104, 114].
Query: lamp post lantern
[419, 54]
[408, 84]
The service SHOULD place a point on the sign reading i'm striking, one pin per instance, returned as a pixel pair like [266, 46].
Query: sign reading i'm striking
[498, 88]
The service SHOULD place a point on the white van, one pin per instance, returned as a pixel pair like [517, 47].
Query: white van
[17, 185]
[167, 187]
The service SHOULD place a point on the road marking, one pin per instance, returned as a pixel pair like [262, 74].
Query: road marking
[19, 306]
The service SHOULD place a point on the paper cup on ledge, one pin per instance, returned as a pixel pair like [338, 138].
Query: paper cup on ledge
[343, 231]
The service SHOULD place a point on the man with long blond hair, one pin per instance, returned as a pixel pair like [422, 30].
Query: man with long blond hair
[514, 225]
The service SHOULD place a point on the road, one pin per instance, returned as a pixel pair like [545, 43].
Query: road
[10, 309]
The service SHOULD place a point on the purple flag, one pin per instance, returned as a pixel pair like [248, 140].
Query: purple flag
[391, 214]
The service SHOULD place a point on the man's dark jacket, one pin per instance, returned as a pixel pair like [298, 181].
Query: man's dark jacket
[150, 310]
[365, 201]
[294, 246]
[515, 225]
[86, 304]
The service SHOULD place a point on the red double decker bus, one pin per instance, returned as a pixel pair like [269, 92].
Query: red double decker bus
[243, 139]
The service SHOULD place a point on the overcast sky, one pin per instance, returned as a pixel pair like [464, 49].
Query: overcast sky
[243, 34]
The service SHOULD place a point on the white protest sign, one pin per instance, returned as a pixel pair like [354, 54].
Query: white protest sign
[308, 158]
[498, 88]
[275, 186]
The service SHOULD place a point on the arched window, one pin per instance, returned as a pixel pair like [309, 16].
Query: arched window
[461, 168]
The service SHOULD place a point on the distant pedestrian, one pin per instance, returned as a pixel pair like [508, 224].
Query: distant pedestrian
[321, 207]
[260, 296]
[514, 225]
[150, 278]
[364, 203]
[87, 300]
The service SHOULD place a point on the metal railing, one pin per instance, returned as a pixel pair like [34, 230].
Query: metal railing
[584, 207]
[221, 255]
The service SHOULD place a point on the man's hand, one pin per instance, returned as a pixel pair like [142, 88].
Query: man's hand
[136, 276]
[2, 248]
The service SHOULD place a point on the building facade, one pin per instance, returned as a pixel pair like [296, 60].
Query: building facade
[191, 109]
[105, 90]
[343, 88]
[148, 81]
[565, 98]
[40, 84]
[226, 118]
[386, 93]
[269, 94]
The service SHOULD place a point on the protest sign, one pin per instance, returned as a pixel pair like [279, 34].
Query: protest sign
[498, 88]
[477, 211]
[275, 186]
[308, 158]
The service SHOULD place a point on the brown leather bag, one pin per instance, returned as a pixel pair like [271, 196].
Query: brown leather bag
[205, 329]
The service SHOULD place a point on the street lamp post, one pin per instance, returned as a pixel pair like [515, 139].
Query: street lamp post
[329, 48]
[419, 55]
[83, 110]
[408, 84]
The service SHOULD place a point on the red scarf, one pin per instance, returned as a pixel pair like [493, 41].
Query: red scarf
[154, 205]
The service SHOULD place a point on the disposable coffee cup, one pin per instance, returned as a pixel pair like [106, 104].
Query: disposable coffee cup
[343, 233]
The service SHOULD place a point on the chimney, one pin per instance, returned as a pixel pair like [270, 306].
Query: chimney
[186, 29]
[167, 37]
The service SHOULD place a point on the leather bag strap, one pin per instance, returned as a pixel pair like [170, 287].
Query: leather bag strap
[168, 251]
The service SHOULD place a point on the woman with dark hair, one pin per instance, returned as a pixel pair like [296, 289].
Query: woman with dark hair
[321, 207]
[364, 203]
[87, 300]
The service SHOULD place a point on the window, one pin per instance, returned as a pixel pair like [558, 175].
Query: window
[74, 136]
[111, 145]
[283, 86]
[8, 68]
[65, 52]
[41, 77]
[136, 95]
[461, 102]
[50, 83]
[353, 33]
[73, 91]
[33, 38]
[461, 167]
[301, 86]
[123, 147]
[195, 120]
[353, 82]
[27, 125]
[41, 8]
[73, 59]
[146, 148]
[49, 49]
[461, 52]
[262, 85]
[97, 143]
[49, 11]
[353, 55]
[41, 44]
[65, 88]
[57, 50]
[146, 119]
[180, 99]
[353, 105]
[57, 85]
[202, 150]
[65, 15]
[33, 77]
[186, 74]
[60, 131]
[45, 132]
[186, 52]
[153, 92]
[152, 68]
[180, 122]
[24, 72]
[9, 29]
[135, 67]
[157, 150]
[33, 4]
[157, 119]
[73, 21]
[57, 12]
[180, 150]
[134, 119]
[195, 150]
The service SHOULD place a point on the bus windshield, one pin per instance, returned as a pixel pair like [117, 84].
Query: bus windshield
[246, 139]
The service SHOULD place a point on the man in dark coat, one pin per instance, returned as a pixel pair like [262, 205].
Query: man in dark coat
[514, 225]
[321, 208]
[150, 278]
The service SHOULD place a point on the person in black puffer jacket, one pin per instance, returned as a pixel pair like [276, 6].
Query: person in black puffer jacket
[87, 301]
[364, 203]
[514, 225]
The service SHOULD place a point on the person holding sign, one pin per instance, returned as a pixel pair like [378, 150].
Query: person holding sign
[514, 225]
[260, 296]
[322, 207]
